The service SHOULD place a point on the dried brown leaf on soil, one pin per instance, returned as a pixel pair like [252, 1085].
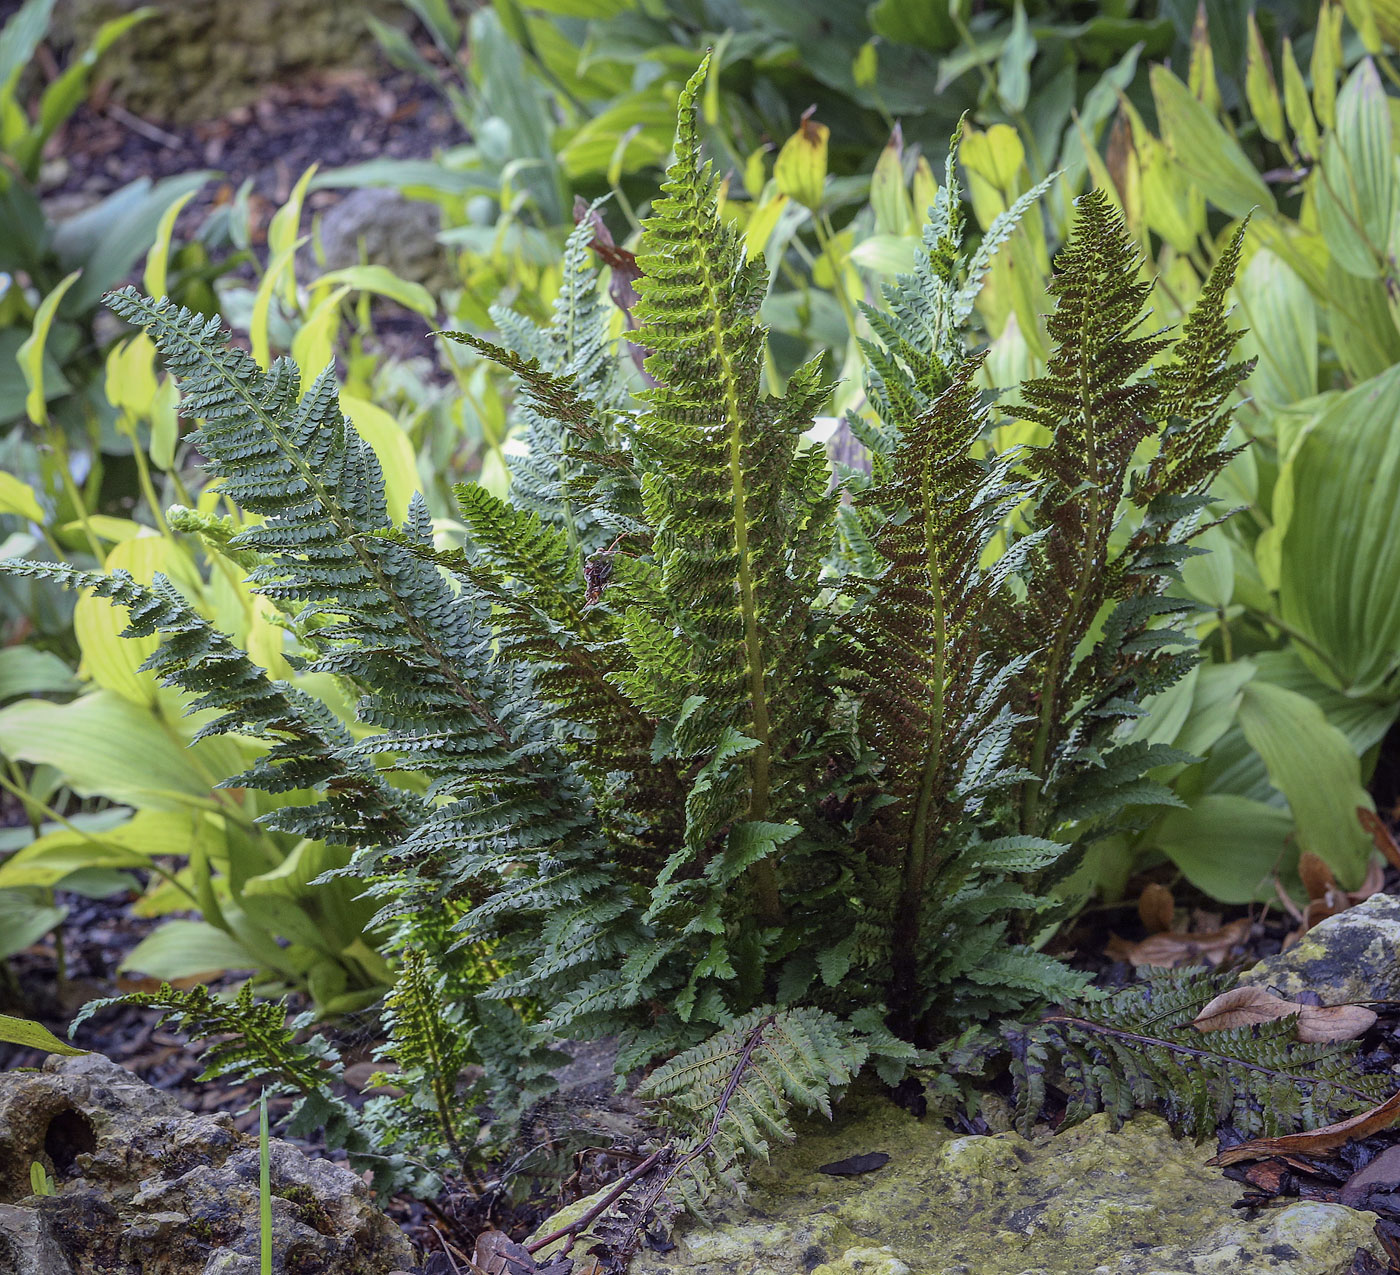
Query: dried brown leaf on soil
[1316, 1141]
[1380, 834]
[1167, 951]
[1317, 1024]
[1156, 907]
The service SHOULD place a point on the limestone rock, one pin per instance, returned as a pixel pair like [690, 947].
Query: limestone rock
[1353, 956]
[395, 232]
[1088, 1201]
[147, 1188]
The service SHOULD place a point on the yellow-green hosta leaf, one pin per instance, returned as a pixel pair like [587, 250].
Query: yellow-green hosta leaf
[188, 949]
[1203, 149]
[1260, 87]
[314, 343]
[106, 746]
[282, 234]
[1312, 764]
[385, 283]
[886, 254]
[17, 497]
[392, 447]
[889, 197]
[800, 169]
[113, 661]
[30, 355]
[1200, 78]
[155, 280]
[1361, 323]
[1280, 320]
[1355, 183]
[25, 917]
[1339, 577]
[1228, 846]
[133, 844]
[29, 1035]
[1210, 577]
[995, 161]
[1326, 63]
[1297, 105]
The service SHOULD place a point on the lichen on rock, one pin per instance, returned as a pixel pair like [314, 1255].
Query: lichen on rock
[143, 1186]
[1088, 1201]
[1352, 956]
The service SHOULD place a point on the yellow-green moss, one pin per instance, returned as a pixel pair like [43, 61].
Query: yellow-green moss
[1090, 1201]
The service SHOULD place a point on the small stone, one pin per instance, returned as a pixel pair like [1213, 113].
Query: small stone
[390, 231]
[1346, 958]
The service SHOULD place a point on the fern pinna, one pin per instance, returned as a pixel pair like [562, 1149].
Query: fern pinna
[691, 739]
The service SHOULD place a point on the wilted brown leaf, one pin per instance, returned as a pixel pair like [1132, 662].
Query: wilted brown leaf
[1316, 876]
[1243, 1007]
[1167, 951]
[1380, 834]
[1317, 1024]
[1315, 1141]
[1156, 907]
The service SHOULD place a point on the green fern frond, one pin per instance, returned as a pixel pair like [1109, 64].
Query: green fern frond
[1137, 1047]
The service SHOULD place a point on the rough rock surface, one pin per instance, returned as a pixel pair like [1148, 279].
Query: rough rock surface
[196, 59]
[1089, 1201]
[395, 232]
[1353, 956]
[144, 1187]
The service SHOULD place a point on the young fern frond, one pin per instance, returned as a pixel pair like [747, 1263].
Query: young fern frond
[1137, 1047]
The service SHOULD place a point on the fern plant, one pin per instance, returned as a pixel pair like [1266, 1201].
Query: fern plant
[692, 745]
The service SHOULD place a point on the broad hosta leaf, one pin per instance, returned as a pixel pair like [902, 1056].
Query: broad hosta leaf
[1228, 846]
[26, 671]
[1280, 316]
[1311, 762]
[184, 949]
[1355, 183]
[1204, 150]
[106, 746]
[24, 919]
[1339, 570]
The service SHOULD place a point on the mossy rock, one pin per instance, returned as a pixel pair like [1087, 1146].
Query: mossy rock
[1353, 956]
[197, 59]
[1088, 1201]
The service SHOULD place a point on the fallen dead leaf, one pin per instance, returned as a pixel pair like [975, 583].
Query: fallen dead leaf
[1380, 834]
[1156, 907]
[1167, 951]
[1243, 1007]
[1320, 1024]
[1315, 1141]
[1315, 875]
[1317, 1024]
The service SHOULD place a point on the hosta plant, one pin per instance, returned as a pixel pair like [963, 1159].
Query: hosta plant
[739, 761]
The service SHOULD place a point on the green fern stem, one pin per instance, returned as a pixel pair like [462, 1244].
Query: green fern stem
[765, 876]
[919, 852]
[1060, 648]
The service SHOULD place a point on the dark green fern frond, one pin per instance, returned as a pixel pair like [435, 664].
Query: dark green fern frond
[723, 1101]
[249, 1039]
[309, 746]
[1137, 1048]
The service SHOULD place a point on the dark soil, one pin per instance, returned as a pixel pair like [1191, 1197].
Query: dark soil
[332, 120]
